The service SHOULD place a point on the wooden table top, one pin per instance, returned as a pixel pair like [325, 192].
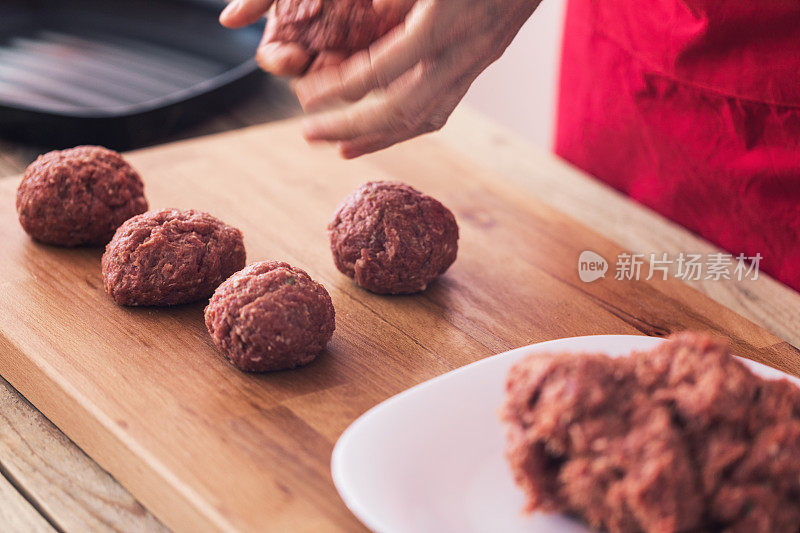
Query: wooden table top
[46, 468]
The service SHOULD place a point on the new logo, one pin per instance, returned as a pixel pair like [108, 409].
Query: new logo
[591, 266]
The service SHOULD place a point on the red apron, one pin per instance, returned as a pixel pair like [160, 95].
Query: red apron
[692, 107]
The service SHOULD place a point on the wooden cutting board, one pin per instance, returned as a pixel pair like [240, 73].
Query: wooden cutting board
[205, 447]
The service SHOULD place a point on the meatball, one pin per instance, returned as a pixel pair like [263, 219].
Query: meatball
[393, 239]
[270, 316]
[681, 438]
[170, 257]
[335, 25]
[78, 196]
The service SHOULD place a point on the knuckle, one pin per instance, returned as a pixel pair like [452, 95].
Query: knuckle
[434, 122]
[376, 78]
[401, 119]
[356, 77]
[492, 43]
[421, 73]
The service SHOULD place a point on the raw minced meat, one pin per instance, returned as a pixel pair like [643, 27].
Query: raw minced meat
[270, 316]
[393, 239]
[335, 25]
[681, 438]
[78, 196]
[170, 257]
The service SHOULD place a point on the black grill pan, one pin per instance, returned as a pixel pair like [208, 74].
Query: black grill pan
[121, 73]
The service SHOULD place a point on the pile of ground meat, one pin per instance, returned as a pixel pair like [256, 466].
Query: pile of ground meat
[78, 196]
[270, 316]
[682, 438]
[393, 239]
[170, 257]
[328, 25]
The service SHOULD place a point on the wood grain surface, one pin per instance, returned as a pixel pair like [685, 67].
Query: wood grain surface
[637, 228]
[61, 482]
[16, 514]
[55, 476]
[207, 448]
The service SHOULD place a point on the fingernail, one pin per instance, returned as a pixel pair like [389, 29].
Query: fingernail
[229, 10]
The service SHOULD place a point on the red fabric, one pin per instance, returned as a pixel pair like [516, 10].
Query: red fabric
[692, 107]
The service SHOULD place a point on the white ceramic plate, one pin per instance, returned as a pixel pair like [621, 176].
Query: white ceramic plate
[431, 458]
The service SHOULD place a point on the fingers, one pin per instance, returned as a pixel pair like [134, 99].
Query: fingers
[327, 60]
[369, 69]
[283, 59]
[437, 116]
[361, 73]
[365, 145]
[243, 12]
[279, 58]
[418, 102]
[291, 59]
[374, 114]
[402, 105]
[423, 67]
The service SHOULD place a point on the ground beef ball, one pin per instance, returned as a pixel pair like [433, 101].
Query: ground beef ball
[681, 438]
[335, 25]
[170, 257]
[78, 196]
[270, 316]
[392, 239]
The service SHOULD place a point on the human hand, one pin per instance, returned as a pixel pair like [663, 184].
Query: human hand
[281, 59]
[417, 73]
[414, 76]
[284, 58]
